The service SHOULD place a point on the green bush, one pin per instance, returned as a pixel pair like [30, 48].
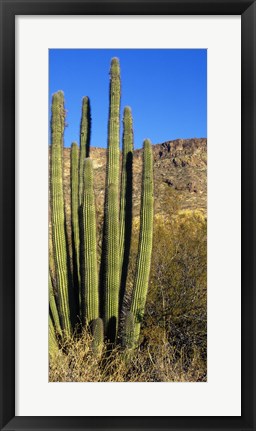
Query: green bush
[177, 299]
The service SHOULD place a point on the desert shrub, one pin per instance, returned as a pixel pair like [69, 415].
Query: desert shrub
[177, 300]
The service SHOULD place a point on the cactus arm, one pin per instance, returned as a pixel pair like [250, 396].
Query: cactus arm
[52, 340]
[98, 336]
[57, 209]
[114, 124]
[85, 132]
[127, 148]
[74, 215]
[51, 257]
[128, 331]
[140, 289]
[112, 267]
[89, 270]
[112, 270]
[53, 307]
[125, 215]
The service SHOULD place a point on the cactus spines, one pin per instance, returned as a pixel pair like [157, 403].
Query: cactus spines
[128, 331]
[140, 288]
[125, 216]
[85, 132]
[74, 214]
[89, 270]
[112, 265]
[53, 307]
[57, 209]
[98, 336]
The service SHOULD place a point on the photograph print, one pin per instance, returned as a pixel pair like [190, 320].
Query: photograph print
[127, 215]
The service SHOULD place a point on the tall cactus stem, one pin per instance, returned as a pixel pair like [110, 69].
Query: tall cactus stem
[57, 209]
[112, 265]
[53, 307]
[85, 134]
[89, 270]
[126, 199]
[128, 331]
[98, 336]
[140, 288]
[113, 153]
[52, 339]
[75, 218]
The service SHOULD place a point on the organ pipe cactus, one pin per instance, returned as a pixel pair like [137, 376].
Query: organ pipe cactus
[85, 132]
[53, 307]
[140, 288]
[128, 331]
[57, 210]
[89, 270]
[116, 233]
[112, 268]
[53, 343]
[114, 124]
[126, 199]
[112, 265]
[98, 336]
[74, 214]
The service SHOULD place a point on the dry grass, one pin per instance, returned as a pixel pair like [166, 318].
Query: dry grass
[76, 362]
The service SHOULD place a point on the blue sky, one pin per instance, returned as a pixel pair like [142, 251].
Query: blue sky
[166, 89]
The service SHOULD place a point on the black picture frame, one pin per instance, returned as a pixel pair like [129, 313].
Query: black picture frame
[8, 10]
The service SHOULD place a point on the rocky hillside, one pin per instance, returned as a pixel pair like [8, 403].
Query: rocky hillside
[180, 173]
[180, 178]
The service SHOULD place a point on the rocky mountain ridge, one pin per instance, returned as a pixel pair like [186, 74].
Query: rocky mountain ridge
[180, 175]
